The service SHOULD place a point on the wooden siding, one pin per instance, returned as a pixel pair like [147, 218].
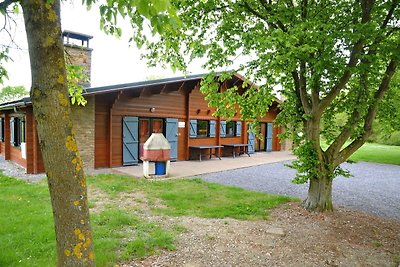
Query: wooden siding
[30, 162]
[39, 164]
[116, 141]
[171, 105]
[198, 106]
[183, 138]
[15, 155]
[2, 148]
[102, 130]
[276, 144]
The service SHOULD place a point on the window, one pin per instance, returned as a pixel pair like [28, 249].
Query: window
[203, 128]
[17, 130]
[231, 128]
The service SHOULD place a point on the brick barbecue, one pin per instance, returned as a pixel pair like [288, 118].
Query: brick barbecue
[156, 149]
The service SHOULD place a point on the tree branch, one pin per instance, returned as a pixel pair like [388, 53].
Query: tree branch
[315, 89]
[366, 7]
[303, 88]
[6, 3]
[304, 9]
[327, 100]
[395, 3]
[301, 93]
[373, 109]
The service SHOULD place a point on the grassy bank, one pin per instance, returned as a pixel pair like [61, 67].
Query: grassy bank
[378, 153]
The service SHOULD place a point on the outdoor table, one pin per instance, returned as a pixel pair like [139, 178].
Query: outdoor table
[210, 148]
[243, 149]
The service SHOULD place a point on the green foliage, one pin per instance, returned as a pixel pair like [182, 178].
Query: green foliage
[389, 112]
[3, 58]
[76, 76]
[159, 14]
[330, 58]
[393, 139]
[10, 93]
[252, 101]
[306, 163]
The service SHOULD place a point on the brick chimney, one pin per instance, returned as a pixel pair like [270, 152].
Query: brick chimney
[78, 52]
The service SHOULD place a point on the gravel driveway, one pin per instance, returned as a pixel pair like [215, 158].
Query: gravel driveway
[375, 188]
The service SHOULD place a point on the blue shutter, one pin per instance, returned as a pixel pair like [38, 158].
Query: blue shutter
[212, 128]
[238, 128]
[269, 137]
[193, 128]
[222, 128]
[130, 140]
[171, 135]
[251, 141]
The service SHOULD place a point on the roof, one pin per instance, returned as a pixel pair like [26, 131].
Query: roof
[148, 83]
[76, 35]
[111, 88]
[189, 80]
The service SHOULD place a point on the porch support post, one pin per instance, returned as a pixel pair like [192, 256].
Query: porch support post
[7, 137]
[29, 142]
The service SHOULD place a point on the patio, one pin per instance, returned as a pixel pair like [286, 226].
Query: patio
[195, 167]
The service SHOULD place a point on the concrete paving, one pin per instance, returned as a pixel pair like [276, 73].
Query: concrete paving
[192, 168]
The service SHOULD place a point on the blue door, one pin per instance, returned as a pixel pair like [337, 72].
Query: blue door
[269, 137]
[251, 142]
[130, 140]
[171, 134]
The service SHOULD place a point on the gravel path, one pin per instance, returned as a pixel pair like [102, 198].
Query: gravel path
[375, 188]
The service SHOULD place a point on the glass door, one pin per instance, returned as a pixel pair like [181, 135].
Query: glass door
[147, 126]
[260, 141]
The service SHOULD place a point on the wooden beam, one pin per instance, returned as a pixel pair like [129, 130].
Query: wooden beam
[116, 99]
[181, 89]
[145, 92]
[163, 90]
[110, 128]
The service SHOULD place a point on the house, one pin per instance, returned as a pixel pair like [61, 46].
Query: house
[116, 121]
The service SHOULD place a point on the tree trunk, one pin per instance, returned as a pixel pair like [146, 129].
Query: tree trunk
[51, 105]
[319, 194]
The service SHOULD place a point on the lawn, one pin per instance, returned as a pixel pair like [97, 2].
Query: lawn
[120, 234]
[372, 152]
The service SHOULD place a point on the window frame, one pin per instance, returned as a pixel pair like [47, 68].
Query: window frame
[234, 125]
[200, 129]
[17, 131]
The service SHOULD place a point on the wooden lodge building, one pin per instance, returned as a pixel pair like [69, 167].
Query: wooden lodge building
[116, 121]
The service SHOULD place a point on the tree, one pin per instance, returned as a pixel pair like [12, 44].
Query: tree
[328, 56]
[51, 105]
[10, 93]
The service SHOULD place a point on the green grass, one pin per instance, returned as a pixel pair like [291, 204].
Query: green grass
[372, 152]
[194, 197]
[27, 232]
[122, 235]
[26, 226]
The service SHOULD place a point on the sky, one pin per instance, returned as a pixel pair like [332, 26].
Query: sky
[114, 60]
